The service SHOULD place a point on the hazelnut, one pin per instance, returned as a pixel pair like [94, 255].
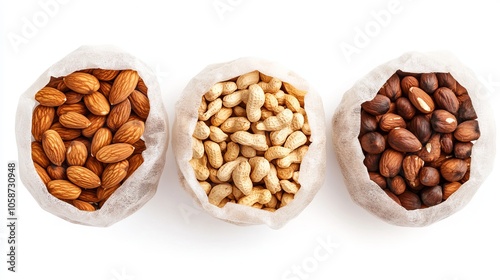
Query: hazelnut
[368, 123]
[378, 105]
[373, 143]
[465, 109]
[392, 88]
[446, 80]
[371, 162]
[447, 143]
[429, 176]
[467, 131]
[421, 128]
[410, 200]
[446, 99]
[453, 169]
[428, 82]
[405, 109]
[397, 184]
[463, 150]
[401, 139]
[432, 195]
[443, 121]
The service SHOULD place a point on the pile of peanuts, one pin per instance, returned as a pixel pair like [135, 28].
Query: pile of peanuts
[251, 136]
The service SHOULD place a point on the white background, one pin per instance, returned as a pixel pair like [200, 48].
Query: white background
[168, 237]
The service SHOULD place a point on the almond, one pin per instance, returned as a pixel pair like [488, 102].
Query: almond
[102, 137]
[390, 163]
[94, 165]
[73, 97]
[97, 103]
[368, 123]
[429, 176]
[76, 107]
[139, 146]
[57, 172]
[421, 128]
[66, 134]
[63, 189]
[404, 108]
[428, 82]
[105, 74]
[83, 205]
[447, 80]
[42, 173]
[392, 196]
[133, 163]
[74, 120]
[447, 143]
[130, 132]
[378, 179]
[81, 82]
[467, 131]
[421, 100]
[411, 168]
[378, 105]
[401, 139]
[407, 82]
[104, 194]
[432, 149]
[141, 86]
[453, 169]
[123, 86]
[53, 146]
[50, 97]
[96, 122]
[372, 162]
[89, 195]
[119, 115]
[443, 121]
[105, 88]
[397, 184]
[114, 173]
[446, 99]
[83, 177]
[465, 110]
[140, 104]
[450, 188]
[38, 155]
[42, 119]
[114, 152]
[76, 153]
[390, 121]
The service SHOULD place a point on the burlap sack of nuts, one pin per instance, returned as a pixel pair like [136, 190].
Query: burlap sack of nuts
[148, 121]
[254, 184]
[432, 158]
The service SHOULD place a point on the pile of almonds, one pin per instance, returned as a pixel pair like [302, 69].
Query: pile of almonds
[417, 136]
[87, 131]
[250, 138]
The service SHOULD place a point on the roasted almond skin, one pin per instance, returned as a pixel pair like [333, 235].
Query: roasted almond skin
[446, 99]
[390, 121]
[443, 121]
[428, 82]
